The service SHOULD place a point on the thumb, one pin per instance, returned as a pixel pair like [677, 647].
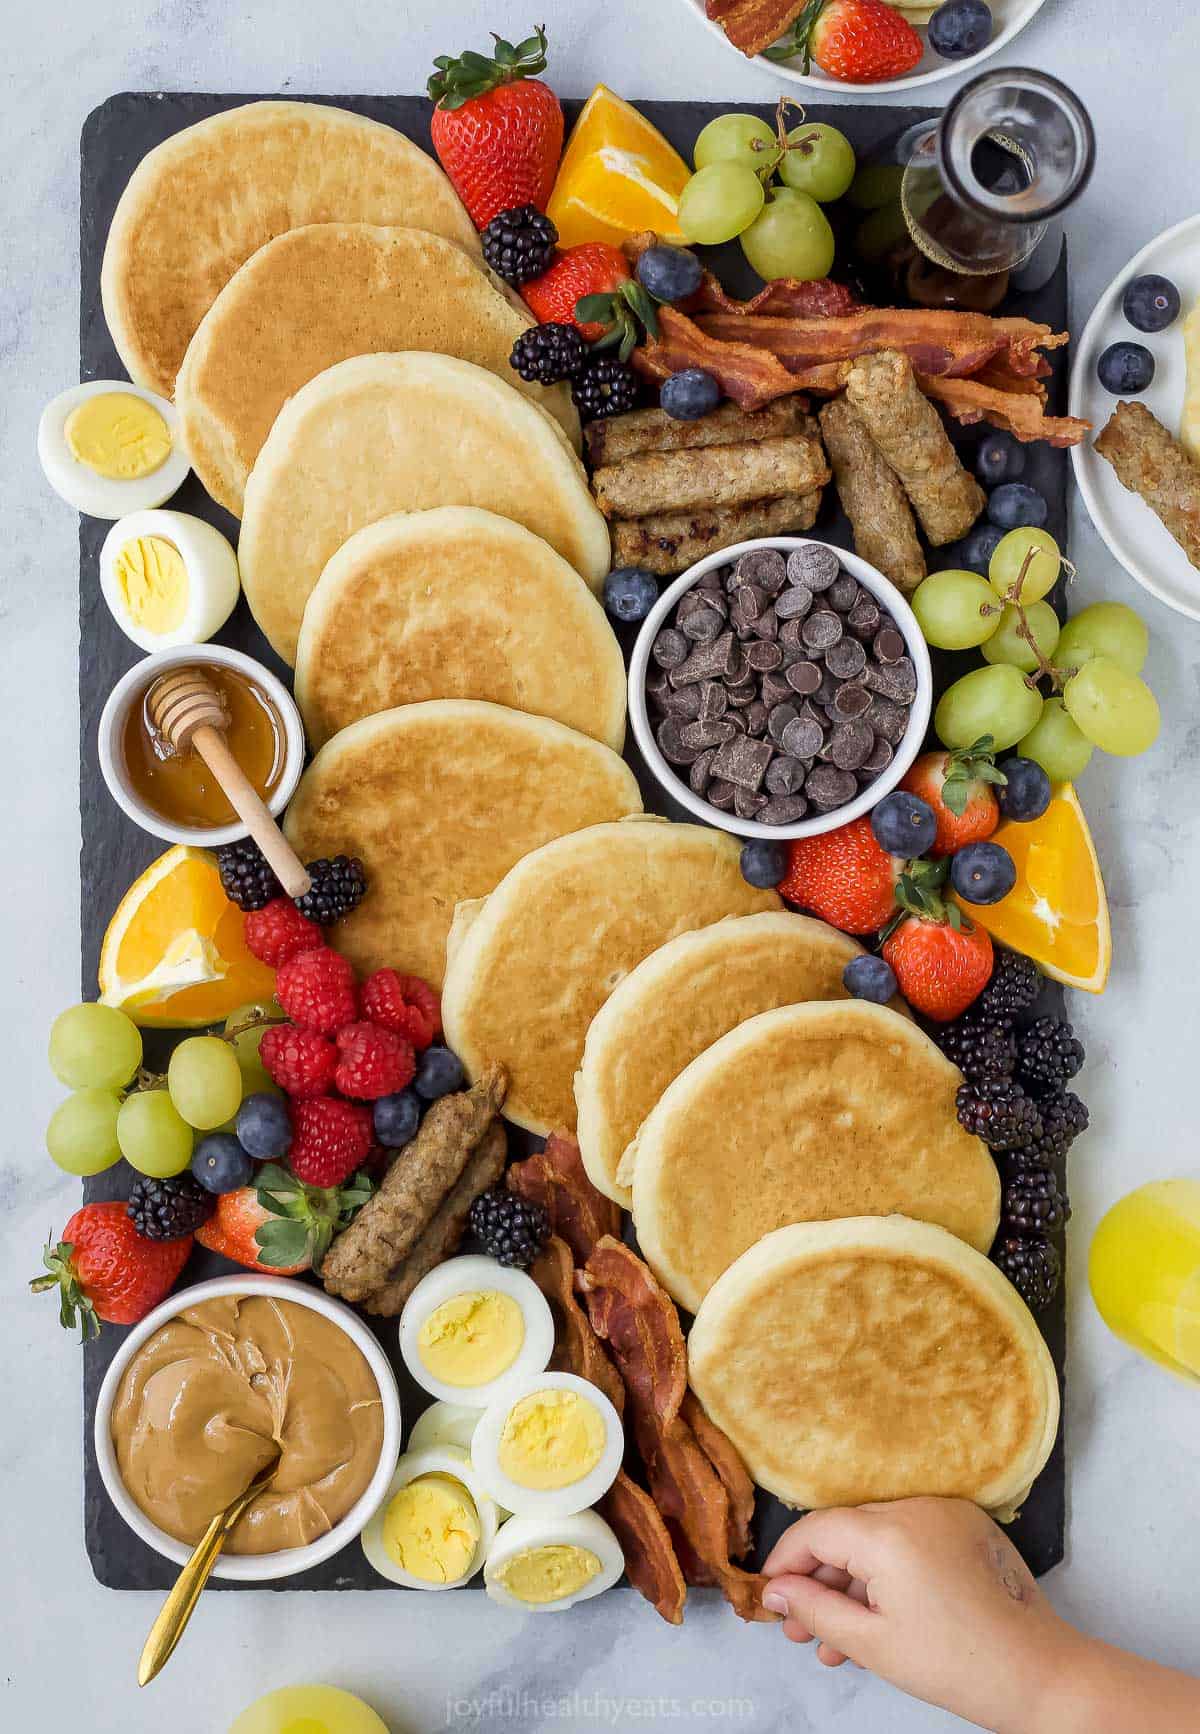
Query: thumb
[815, 1610]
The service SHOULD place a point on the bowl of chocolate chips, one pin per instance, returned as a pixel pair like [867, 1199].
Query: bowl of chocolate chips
[779, 688]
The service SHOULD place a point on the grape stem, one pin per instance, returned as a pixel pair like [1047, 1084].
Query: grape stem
[148, 1080]
[1045, 668]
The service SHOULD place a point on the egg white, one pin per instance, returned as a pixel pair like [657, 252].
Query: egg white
[214, 583]
[437, 1460]
[546, 1501]
[477, 1273]
[444, 1424]
[102, 496]
[582, 1529]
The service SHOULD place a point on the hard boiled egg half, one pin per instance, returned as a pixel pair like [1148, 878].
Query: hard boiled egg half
[168, 578]
[444, 1424]
[436, 1524]
[473, 1325]
[544, 1565]
[109, 447]
[548, 1445]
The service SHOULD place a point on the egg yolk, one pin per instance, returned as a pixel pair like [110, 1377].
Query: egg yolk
[472, 1338]
[152, 582]
[431, 1529]
[118, 435]
[550, 1439]
[547, 1574]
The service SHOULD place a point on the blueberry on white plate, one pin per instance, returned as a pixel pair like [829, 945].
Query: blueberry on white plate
[1151, 302]
[1125, 368]
[960, 28]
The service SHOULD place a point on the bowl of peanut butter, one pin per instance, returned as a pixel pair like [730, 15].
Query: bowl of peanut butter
[216, 1380]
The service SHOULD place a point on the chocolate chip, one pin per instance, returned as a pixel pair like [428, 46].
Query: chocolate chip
[785, 775]
[790, 641]
[763, 566]
[657, 683]
[850, 744]
[776, 690]
[756, 717]
[784, 810]
[767, 625]
[719, 794]
[821, 630]
[698, 775]
[889, 644]
[763, 657]
[778, 719]
[846, 658]
[704, 734]
[850, 701]
[736, 670]
[670, 648]
[747, 804]
[802, 738]
[737, 721]
[888, 719]
[843, 593]
[707, 661]
[749, 600]
[828, 689]
[804, 678]
[742, 762]
[863, 619]
[688, 603]
[795, 602]
[683, 704]
[897, 681]
[671, 746]
[814, 565]
[827, 787]
[714, 700]
[878, 759]
[712, 579]
[702, 625]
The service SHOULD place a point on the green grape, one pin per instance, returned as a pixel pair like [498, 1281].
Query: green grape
[988, 701]
[1105, 629]
[255, 1076]
[949, 607]
[790, 238]
[154, 1137]
[82, 1134]
[1116, 711]
[1006, 645]
[735, 138]
[820, 161]
[1005, 565]
[879, 233]
[719, 202]
[205, 1081]
[875, 185]
[94, 1047]
[1056, 744]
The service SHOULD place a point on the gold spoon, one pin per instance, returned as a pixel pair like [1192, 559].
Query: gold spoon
[177, 1610]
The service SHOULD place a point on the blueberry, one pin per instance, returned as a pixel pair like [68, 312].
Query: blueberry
[983, 873]
[688, 395]
[1125, 367]
[976, 550]
[1026, 795]
[220, 1164]
[869, 978]
[1000, 458]
[264, 1127]
[764, 864]
[904, 824]
[396, 1118]
[1013, 505]
[959, 28]
[669, 273]
[1150, 303]
[630, 593]
[438, 1072]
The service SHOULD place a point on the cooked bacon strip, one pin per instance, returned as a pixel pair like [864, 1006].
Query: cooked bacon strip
[751, 376]
[753, 25]
[935, 341]
[638, 1320]
[556, 1179]
[785, 298]
[739, 1489]
[651, 1564]
[1021, 414]
[577, 1348]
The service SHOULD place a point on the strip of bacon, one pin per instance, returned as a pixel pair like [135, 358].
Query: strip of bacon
[651, 1563]
[556, 1179]
[753, 25]
[935, 341]
[750, 375]
[785, 298]
[577, 1348]
[739, 1489]
[1020, 413]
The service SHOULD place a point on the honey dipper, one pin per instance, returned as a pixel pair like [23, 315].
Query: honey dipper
[186, 710]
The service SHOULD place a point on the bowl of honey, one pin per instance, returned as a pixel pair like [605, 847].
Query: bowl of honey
[174, 795]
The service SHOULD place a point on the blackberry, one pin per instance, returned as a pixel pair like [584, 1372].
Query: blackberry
[338, 885]
[1032, 1266]
[1050, 1053]
[1064, 1117]
[246, 877]
[605, 387]
[998, 1111]
[546, 354]
[1015, 984]
[510, 1228]
[518, 244]
[979, 1048]
[1032, 1203]
[169, 1209]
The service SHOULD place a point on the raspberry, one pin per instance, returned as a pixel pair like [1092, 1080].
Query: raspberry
[300, 1061]
[403, 1003]
[317, 990]
[331, 1139]
[280, 932]
[372, 1061]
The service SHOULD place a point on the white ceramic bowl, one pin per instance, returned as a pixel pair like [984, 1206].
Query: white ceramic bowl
[128, 691]
[253, 1567]
[885, 593]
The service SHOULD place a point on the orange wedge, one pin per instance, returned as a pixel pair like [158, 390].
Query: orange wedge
[618, 176]
[1057, 912]
[174, 955]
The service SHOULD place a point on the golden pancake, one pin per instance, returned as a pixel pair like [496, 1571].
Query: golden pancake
[801, 1115]
[456, 603]
[439, 800]
[528, 969]
[876, 1358]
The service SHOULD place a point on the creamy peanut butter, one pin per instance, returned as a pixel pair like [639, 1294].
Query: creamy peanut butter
[208, 1396]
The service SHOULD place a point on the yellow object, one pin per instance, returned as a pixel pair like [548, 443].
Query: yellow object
[118, 435]
[1189, 425]
[551, 1438]
[174, 955]
[618, 176]
[153, 583]
[1057, 912]
[309, 1710]
[472, 1338]
[546, 1574]
[431, 1529]
[1144, 1271]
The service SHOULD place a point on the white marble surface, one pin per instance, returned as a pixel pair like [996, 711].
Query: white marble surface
[68, 1648]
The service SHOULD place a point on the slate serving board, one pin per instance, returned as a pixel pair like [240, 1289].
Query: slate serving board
[114, 139]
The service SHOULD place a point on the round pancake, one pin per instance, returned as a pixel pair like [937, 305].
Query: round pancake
[439, 800]
[200, 203]
[801, 1115]
[402, 433]
[317, 295]
[876, 1358]
[676, 1003]
[529, 968]
[456, 603]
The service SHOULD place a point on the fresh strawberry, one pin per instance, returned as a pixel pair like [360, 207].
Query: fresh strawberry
[844, 877]
[104, 1269]
[497, 129]
[942, 965]
[300, 1061]
[372, 1061]
[403, 1003]
[960, 787]
[856, 41]
[317, 991]
[330, 1139]
[233, 1229]
[592, 268]
[279, 1224]
[279, 931]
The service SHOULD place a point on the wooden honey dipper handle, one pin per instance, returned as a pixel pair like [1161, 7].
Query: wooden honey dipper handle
[186, 709]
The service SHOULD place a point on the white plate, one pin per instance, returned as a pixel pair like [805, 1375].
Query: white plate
[1010, 16]
[1132, 532]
